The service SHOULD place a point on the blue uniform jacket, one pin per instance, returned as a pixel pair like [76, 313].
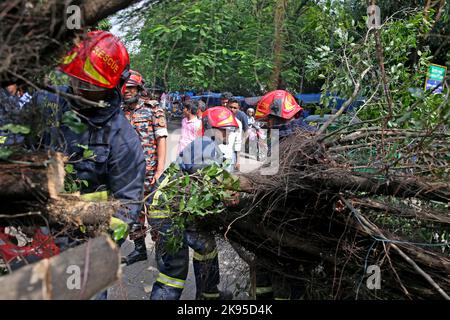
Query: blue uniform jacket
[9, 114]
[201, 152]
[118, 165]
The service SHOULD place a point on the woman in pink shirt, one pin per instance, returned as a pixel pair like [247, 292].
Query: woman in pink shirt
[190, 125]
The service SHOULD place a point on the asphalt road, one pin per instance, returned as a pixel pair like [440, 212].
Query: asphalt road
[137, 279]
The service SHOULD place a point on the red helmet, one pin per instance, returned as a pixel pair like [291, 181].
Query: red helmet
[219, 117]
[135, 80]
[100, 59]
[277, 103]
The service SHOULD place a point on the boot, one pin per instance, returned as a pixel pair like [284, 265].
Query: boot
[138, 254]
[221, 295]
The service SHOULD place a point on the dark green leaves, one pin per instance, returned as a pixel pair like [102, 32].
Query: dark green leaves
[5, 153]
[15, 128]
[190, 197]
[71, 120]
[87, 153]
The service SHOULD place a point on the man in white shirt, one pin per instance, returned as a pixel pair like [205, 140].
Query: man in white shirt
[235, 138]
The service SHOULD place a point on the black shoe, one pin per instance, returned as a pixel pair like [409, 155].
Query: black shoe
[138, 254]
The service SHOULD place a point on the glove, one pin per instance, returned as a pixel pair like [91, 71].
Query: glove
[119, 229]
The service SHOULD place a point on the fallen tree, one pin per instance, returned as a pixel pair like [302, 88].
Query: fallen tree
[34, 176]
[331, 209]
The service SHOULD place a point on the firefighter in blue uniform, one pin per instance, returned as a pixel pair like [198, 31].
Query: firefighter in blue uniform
[280, 113]
[98, 68]
[173, 267]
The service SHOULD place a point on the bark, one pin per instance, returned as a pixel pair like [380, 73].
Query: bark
[339, 180]
[68, 211]
[33, 177]
[280, 13]
[98, 263]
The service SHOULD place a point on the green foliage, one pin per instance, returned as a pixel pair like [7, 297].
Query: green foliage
[120, 232]
[87, 153]
[15, 128]
[418, 230]
[71, 119]
[104, 24]
[5, 153]
[227, 45]
[223, 45]
[57, 78]
[192, 197]
[341, 67]
[71, 183]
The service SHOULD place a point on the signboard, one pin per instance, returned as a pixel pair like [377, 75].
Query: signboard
[435, 78]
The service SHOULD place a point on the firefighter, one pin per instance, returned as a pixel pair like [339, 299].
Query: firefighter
[149, 121]
[173, 267]
[278, 115]
[98, 67]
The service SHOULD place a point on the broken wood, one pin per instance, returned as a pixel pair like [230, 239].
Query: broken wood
[340, 179]
[32, 177]
[77, 273]
[68, 211]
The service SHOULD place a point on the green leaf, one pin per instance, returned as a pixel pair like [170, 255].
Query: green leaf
[69, 168]
[88, 154]
[74, 123]
[16, 128]
[120, 232]
[182, 205]
[5, 153]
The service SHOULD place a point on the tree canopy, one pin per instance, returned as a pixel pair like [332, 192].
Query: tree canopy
[232, 44]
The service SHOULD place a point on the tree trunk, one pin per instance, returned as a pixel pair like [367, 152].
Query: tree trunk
[33, 177]
[77, 273]
[67, 211]
[280, 13]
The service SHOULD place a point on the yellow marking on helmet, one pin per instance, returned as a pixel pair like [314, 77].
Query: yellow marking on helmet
[69, 58]
[226, 121]
[90, 71]
[289, 105]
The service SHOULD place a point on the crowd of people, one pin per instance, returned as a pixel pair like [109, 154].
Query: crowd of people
[127, 133]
